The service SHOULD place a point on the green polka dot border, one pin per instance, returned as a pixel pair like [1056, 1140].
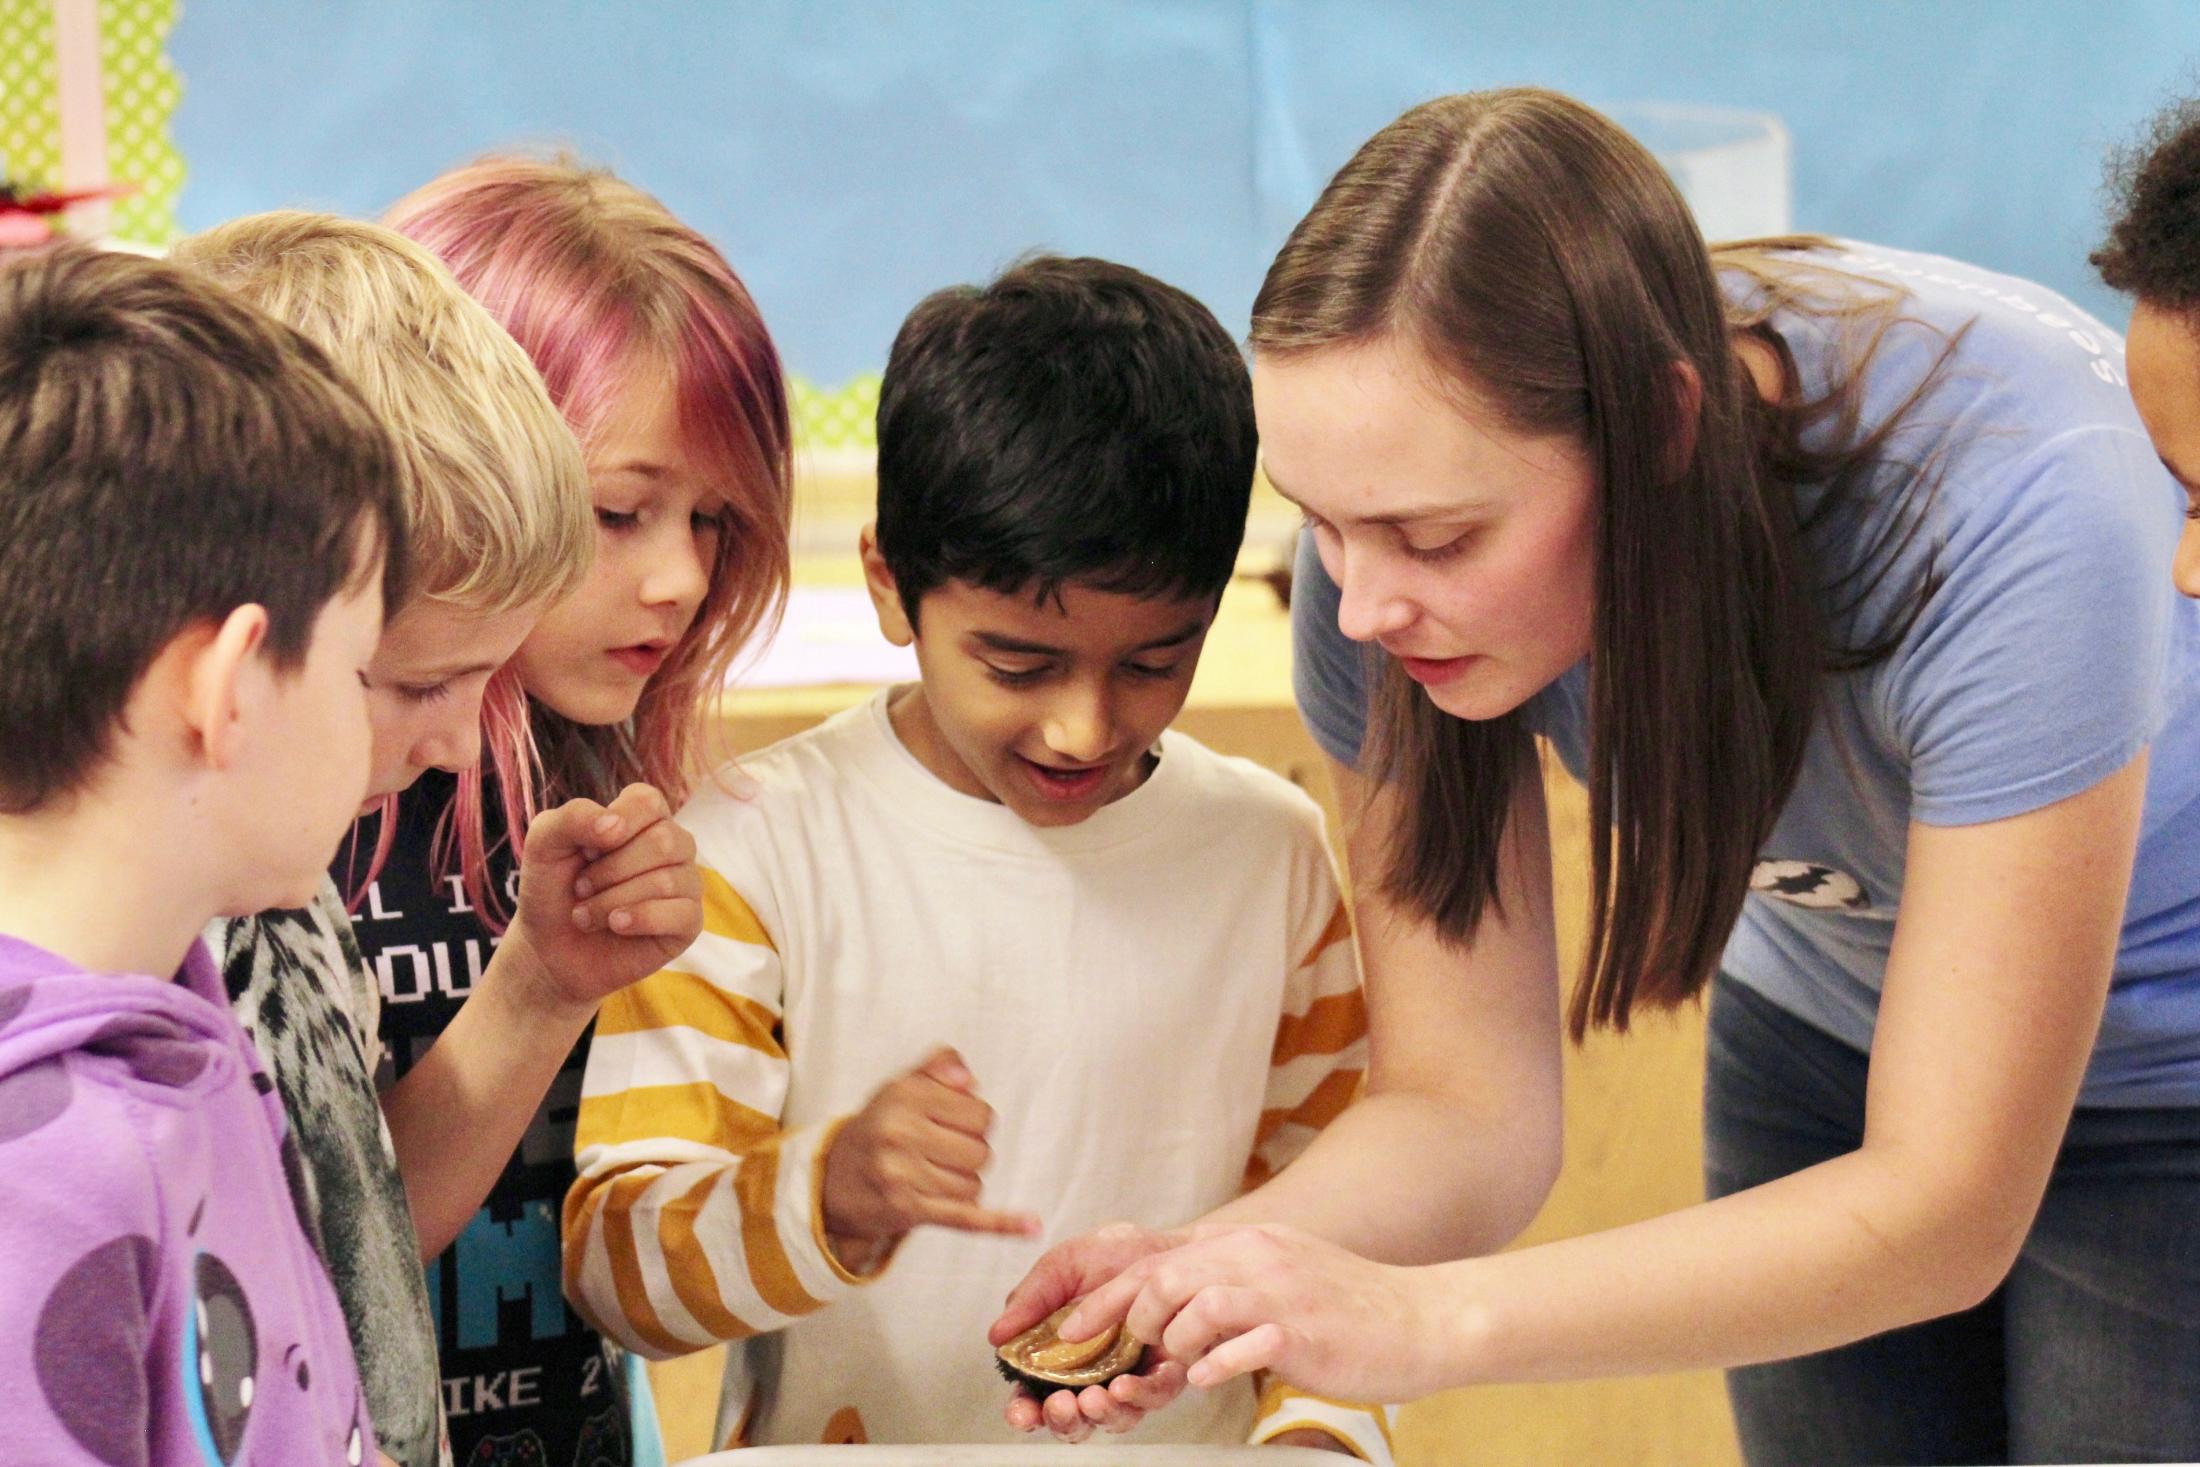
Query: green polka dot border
[835, 417]
[30, 98]
[142, 92]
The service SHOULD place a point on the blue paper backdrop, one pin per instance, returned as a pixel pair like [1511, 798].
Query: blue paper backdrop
[850, 156]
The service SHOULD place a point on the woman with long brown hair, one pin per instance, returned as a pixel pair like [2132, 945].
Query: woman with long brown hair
[1840, 576]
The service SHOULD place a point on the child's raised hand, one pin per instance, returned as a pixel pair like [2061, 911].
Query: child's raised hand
[912, 1156]
[608, 894]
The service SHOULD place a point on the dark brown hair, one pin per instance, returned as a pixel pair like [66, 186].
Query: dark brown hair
[2153, 246]
[1074, 421]
[1540, 259]
[167, 454]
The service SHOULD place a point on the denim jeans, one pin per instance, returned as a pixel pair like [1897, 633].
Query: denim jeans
[2090, 1349]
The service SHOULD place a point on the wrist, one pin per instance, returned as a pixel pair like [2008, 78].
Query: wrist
[518, 982]
[1459, 1325]
[858, 1256]
[838, 1222]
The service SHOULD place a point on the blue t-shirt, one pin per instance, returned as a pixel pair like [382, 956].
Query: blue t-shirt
[2054, 650]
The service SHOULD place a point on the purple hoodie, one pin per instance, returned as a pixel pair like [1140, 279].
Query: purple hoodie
[160, 1305]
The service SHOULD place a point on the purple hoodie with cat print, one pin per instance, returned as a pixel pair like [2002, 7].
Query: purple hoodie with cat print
[160, 1305]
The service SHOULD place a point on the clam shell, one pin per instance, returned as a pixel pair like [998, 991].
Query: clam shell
[1040, 1359]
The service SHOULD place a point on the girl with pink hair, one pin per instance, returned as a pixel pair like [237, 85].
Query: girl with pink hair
[654, 352]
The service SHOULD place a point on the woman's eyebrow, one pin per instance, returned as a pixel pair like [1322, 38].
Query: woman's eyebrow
[1410, 514]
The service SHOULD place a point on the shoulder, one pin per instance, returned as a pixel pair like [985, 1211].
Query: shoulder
[1245, 826]
[104, 1090]
[295, 978]
[84, 1157]
[774, 807]
[1244, 799]
[2018, 363]
[313, 940]
[779, 781]
[2005, 399]
[1328, 670]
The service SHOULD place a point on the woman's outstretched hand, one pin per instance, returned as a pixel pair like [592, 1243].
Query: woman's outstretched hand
[1229, 1299]
[1069, 1271]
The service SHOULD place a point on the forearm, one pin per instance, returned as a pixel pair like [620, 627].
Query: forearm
[1989, 1010]
[639, 1268]
[1367, 1181]
[1456, 1143]
[459, 1113]
[1850, 1248]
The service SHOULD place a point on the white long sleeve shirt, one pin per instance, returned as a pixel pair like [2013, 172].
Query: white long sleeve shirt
[1161, 1003]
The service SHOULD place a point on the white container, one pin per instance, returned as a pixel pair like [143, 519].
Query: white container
[1731, 166]
[1046, 1453]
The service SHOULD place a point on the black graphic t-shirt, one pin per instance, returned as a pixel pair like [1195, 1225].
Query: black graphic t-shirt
[526, 1383]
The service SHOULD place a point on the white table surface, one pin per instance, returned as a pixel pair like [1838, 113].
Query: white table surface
[1090, 1453]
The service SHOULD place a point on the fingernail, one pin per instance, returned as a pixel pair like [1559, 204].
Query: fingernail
[583, 887]
[606, 825]
[621, 920]
[584, 919]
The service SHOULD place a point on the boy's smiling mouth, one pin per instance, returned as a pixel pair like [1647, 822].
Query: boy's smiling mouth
[1065, 784]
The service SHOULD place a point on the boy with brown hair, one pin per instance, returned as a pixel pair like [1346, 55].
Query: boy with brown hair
[997, 955]
[199, 532]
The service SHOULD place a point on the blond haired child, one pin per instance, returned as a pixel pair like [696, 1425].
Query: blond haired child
[497, 495]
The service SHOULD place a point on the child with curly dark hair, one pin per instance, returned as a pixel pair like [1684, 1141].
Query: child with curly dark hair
[2153, 252]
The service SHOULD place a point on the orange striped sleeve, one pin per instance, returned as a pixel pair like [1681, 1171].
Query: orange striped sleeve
[1361, 1428]
[1338, 929]
[676, 1234]
[1330, 1024]
[1319, 1057]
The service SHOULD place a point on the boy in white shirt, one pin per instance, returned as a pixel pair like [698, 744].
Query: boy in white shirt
[1007, 876]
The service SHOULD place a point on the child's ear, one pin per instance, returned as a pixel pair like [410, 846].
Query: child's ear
[217, 660]
[878, 579]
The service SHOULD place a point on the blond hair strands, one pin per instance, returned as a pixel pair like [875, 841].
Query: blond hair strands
[493, 479]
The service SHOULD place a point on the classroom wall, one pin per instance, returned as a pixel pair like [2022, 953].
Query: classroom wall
[851, 155]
